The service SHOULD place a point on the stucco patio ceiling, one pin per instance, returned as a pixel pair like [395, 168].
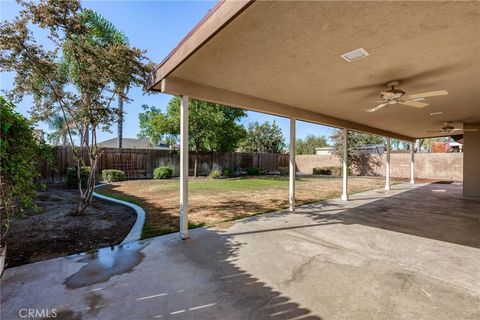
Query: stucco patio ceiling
[284, 58]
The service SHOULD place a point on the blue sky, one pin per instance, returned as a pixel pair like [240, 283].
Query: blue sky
[155, 26]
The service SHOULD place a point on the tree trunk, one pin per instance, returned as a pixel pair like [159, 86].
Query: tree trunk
[120, 122]
[86, 136]
[195, 167]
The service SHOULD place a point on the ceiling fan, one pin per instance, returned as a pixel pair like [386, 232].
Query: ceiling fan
[397, 96]
[449, 128]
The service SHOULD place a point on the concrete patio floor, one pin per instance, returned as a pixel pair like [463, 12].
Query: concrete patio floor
[411, 253]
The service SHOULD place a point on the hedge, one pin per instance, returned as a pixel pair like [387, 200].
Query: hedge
[328, 171]
[253, 171]
[113, 175]
[228, 172]
[162, 173]
[72, 178]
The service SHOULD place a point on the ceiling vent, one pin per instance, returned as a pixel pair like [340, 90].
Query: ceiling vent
[355, 55]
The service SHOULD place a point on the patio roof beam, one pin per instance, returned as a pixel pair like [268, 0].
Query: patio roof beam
[175, 86]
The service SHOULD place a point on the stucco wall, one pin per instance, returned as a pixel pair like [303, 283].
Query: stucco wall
[447, 166]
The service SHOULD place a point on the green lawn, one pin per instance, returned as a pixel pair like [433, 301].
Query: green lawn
[216, 200]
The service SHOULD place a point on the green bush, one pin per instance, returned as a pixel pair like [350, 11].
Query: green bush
[162, 173]
[253, 171]
[112, 175]
[20, 154]
[72, 178]
[283, 171]
[328, 171]
[228, 172]
[215, 174]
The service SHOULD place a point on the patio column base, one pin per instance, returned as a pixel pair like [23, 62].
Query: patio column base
[344, 197]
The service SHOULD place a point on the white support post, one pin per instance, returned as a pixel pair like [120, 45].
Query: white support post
[184, 167]
[412, 163]
[387, 173]
[345, 165]
[292, 169]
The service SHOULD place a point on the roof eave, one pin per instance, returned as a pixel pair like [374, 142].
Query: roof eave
[215, 20]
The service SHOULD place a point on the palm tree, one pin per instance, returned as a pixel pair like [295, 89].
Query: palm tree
[105, 34]
[59, 135]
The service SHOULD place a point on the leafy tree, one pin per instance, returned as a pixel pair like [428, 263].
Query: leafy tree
[263, 137]
[20, 153]
[212, 127]
[354, 141]
[400, 144]
[80, 79]
[308, 145]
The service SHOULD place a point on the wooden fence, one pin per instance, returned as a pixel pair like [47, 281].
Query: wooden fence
[140, 163]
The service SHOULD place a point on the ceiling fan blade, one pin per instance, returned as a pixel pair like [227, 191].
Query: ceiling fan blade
[427, 94]
[377, 107]
[415, 104]
[470, 130]
[441, 131]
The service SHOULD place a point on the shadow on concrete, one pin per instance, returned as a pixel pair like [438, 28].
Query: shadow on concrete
[155, 278]
[435, 211]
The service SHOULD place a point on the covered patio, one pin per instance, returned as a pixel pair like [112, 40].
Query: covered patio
[410, 253]
[328, 62]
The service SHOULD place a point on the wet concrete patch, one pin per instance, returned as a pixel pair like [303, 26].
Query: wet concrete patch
[105, 263]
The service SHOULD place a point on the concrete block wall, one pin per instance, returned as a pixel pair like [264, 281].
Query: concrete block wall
[447, 166]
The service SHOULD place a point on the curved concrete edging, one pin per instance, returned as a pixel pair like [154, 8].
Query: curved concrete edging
[136, 231]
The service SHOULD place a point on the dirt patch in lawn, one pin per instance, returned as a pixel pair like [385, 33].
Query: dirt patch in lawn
[55, 231]
[215, 200]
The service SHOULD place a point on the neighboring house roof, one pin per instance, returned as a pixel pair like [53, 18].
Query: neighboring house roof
[131, 143]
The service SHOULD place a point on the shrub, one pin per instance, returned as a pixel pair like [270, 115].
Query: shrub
[112, 175]
[228, 172]
[253, 171]
[72, 178]
[20, 153]
[162, 173]
[283, 171]
[328, 171]
[215, 174]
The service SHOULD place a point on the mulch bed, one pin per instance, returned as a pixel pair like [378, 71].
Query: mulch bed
[56, 231]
